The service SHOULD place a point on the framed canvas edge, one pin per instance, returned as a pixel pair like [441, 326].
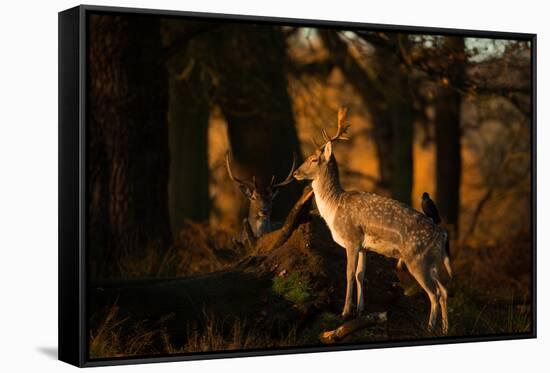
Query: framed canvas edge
[305, 350]
[314, 22]
[70, 282]
[83, 332]
[533, 41]
[82, 356]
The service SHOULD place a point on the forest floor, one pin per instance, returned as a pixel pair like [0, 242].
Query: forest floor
[281, 298]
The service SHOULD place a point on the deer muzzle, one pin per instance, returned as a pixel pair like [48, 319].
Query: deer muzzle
[263, 213]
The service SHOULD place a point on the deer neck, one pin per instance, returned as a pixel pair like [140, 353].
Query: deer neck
[260, 224]
[327, 191]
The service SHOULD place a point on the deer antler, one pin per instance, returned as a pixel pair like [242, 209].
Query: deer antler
[249, 184]
[315, 143]
[288, 179]
[343, 127]
[341, 131]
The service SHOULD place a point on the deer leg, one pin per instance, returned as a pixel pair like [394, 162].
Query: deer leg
[424, 277]
[400, 265]
[443, 304]
[351, 265]
[360, 279]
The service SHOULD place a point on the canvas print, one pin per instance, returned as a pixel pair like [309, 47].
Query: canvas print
[268, 186]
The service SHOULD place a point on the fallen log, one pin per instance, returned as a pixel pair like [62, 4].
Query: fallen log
[300, 209]
[352, 326]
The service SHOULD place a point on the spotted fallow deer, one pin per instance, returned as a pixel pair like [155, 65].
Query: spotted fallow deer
[261, 199]
[361, 221]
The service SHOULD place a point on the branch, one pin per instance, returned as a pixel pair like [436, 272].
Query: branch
[352, 326]
[511, 95]
[353, 173]
[293, 219]
[364, 81]
[490, 190]
[376, 39]
[184, 38]
[316, 68]
[479, 208]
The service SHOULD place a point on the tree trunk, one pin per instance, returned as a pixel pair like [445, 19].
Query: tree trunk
[188, 117]
[387, 97]
[383, 140]
[128, 152]
[372, 97]
[402, 150]
[252, 94]
[448, 134]
[402, 114]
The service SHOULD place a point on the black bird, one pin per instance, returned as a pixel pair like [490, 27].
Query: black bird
[429, 208]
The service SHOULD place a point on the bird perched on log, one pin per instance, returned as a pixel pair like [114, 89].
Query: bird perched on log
[429, 208]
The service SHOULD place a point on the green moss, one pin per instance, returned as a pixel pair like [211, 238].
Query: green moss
[295, 288]
[323, 322]
[329, 321]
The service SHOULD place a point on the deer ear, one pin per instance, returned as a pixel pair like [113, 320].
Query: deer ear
[327, 152]
[245, 190]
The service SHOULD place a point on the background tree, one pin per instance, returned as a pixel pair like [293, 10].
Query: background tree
[128, 153]
[447, 130]
[188, 139]
[188, 118]
[249, 84]
[384, 88]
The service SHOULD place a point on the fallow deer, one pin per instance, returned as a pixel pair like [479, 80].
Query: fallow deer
[361, 221]
[430, 210]
[261, 199]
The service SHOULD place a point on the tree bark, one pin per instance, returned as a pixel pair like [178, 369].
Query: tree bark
[128, 149]
[448, 134]
[402, 150]
[188, 118]
[402, 113]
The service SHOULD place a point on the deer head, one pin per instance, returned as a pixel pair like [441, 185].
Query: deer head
[261, 198]
[320, 160]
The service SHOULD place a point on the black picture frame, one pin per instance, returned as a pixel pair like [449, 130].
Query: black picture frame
[72, 44]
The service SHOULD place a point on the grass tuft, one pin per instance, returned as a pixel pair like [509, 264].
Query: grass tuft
[117, 336]
[295, 288]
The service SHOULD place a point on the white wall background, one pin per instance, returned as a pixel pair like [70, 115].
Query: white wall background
[28, 183]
